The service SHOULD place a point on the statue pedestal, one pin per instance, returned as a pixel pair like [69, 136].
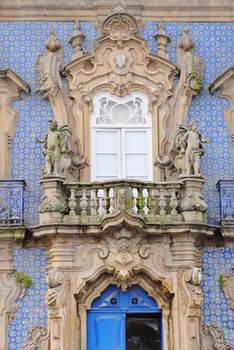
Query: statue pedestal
[193, 206]
[53, 205]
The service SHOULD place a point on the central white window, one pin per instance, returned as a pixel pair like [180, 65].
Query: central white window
[121, 138]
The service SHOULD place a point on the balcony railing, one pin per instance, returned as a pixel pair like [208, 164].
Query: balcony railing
[226, 195]
[155, 202]
[12, 202]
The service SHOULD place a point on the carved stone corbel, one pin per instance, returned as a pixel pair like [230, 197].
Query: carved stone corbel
[213, 338]
[11, 85]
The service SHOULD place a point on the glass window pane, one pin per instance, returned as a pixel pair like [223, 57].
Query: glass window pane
[136, 141]
[136, 165]
[106, 141]
[106, 165]
[143, 332]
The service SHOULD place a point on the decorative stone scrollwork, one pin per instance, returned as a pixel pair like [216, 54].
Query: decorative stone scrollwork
[191, 294]
[228, 287]
[54, 203]
[213, 338]
[35, 337]
[10, 292]
[119, 26]
[58, 284]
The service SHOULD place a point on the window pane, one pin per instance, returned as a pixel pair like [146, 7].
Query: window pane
[136, 141]
[136, 165]
[106, 141]
[106, 165]
[143, 332]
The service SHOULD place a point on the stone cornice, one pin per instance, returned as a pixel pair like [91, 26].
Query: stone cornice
[171, 10]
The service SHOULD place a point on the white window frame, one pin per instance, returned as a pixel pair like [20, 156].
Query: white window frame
[122, 129]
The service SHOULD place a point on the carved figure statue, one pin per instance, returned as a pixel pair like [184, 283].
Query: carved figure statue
[55, 147]
[190, 143]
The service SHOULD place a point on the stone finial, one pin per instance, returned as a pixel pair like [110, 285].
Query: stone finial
[76, 40]
[185, 42]
[52, 44]
[163, 40]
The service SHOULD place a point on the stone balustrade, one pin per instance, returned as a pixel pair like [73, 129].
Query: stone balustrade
[89, 203]
[156, 202]
[12, 202]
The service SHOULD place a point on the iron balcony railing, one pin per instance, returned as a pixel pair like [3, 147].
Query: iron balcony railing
[226, 197]
[12, 202]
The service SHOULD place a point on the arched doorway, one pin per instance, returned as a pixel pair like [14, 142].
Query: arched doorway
[124, 320]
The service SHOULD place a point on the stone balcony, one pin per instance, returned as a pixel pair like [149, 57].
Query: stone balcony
[151, 202]
[12, 203]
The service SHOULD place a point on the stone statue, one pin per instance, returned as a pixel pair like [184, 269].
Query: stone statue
[55, 147]
[190, 143]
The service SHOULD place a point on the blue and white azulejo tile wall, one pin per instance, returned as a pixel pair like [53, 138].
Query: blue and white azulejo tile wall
[32, 309]
[21, 42]
[216, 308]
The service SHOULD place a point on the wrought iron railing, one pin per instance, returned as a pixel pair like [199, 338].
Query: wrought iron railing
[12, 202]
[226, 195]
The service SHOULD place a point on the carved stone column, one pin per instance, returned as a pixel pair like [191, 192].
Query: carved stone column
[60, 300]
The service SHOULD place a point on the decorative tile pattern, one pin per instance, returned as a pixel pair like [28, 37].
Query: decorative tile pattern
[216, 308]
[214, 42]
[20, 43]
[32, 308]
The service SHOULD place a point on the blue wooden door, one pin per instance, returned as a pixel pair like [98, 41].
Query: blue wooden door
[106, 319]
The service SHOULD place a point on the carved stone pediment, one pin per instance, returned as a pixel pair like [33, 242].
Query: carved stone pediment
[122, 220]
[119, 26]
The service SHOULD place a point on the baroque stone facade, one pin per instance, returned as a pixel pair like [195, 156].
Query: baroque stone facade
[120, 232]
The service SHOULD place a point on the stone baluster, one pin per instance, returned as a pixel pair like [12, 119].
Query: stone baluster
[140, 202]
[72, 203]
[162, 203]
[106, 201]
[84, 203]
[173, 203]
[151, 202]
[94, 202]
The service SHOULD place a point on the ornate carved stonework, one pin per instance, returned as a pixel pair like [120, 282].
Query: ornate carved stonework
[11, 86]
[228, 287]
[58, 285]
[213, 338]
[35, 337]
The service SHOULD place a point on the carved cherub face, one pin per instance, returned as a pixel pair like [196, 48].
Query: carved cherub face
[193, 126]
[53, 125]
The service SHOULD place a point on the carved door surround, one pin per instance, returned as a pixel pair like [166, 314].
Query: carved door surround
[163, 261]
